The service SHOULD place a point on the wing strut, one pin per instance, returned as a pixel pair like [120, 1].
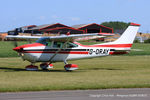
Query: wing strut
[59, 50]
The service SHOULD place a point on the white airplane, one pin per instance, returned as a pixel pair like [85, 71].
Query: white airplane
[62, 48]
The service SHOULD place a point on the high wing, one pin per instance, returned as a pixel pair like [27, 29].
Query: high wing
[22, 37]
[63, 38]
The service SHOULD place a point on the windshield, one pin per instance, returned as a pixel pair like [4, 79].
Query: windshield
[42, 41]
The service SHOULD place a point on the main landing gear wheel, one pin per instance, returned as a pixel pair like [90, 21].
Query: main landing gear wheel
[46, 66]
[31, 68]
[70, 67]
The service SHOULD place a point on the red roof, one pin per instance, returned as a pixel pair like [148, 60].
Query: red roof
[95, 24]
[57, 28]
[52, 25]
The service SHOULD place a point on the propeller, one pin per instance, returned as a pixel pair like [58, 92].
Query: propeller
[15, 43]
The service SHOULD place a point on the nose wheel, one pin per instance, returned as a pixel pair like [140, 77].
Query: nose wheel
[31, 68]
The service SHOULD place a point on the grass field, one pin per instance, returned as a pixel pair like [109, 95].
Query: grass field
[129, 71]
[96, 73]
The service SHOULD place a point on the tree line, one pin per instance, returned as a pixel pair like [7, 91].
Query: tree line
[116, 25]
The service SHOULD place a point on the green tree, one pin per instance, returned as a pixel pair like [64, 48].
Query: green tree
[116, 25]
[147, 41]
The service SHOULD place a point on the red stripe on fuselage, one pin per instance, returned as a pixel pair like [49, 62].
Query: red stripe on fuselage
[108, 45]
[72, 52]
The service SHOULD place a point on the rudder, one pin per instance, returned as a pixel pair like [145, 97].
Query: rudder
[129, 34]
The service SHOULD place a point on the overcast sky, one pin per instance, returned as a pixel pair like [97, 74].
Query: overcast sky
[17, 13]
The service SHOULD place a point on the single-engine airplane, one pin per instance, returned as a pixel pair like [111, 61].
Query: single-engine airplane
[62, 48]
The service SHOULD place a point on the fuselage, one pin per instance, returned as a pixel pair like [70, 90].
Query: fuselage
[38, 52]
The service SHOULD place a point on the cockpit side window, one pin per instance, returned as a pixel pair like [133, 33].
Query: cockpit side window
[61, 45]
[44, 41]
[58, 44]
[71, 45]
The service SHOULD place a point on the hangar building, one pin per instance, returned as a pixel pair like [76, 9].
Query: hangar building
[54, 28]
[93, 28]
[63, 29]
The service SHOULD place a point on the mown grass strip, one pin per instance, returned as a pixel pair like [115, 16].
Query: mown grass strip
[96, 73]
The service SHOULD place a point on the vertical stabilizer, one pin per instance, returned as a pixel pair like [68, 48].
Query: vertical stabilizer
[129, 35]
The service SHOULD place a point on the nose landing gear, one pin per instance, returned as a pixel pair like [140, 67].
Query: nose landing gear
[31, 68]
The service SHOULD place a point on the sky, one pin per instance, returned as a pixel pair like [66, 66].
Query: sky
[17, 13]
